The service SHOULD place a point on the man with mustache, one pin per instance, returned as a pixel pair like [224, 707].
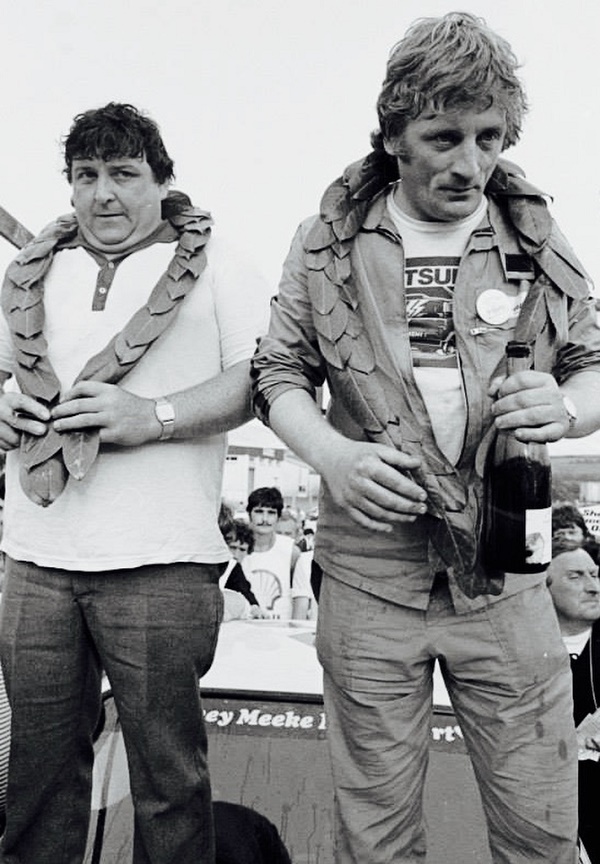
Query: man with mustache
[271, 566]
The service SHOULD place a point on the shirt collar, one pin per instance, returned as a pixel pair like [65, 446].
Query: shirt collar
[378, 218]
[164, 233]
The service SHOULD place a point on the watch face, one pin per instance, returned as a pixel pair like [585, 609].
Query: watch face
[164, 411]
[165, 414]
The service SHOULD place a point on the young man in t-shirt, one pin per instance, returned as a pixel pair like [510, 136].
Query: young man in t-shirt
[270, 567]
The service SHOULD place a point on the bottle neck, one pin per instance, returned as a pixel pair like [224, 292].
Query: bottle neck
[518, 364]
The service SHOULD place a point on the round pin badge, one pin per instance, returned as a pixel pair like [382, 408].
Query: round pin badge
[493, 306]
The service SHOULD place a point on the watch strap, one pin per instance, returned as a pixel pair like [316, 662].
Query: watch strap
[165, 414]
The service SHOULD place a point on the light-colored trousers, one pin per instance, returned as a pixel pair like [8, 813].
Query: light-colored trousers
[508, 678]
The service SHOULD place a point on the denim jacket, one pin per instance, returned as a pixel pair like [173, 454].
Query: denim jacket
[350, 329]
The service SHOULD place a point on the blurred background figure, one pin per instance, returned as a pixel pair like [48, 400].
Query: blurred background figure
[307, 541]
[239, 539]
[575, 589]
[289, 524]
[569, 527]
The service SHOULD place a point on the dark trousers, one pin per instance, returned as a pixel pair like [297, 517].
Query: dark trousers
[154, 630]
[589, 789]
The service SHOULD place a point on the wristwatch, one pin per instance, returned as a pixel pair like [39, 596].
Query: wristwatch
[571, 410]
[165, 414]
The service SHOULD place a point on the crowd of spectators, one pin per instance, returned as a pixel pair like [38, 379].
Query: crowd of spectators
[575, 589]
[272, 559]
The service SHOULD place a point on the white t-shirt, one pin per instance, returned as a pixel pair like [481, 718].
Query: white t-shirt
[576, 643]
[157, 503]
[432, 253]
[270, 577]
[301, 578]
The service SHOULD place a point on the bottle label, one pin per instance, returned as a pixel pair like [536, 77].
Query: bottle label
[538, 535]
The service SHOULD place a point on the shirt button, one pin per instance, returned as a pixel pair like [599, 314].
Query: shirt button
[111, 265]
[102, 290]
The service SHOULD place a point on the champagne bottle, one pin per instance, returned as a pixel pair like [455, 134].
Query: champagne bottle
[517, 519]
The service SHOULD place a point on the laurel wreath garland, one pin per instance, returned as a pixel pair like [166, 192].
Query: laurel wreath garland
[356, 353]
[48, 460]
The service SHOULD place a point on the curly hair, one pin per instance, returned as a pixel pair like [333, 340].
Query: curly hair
[448, 63]
[243, 533]
[115, 131]
[566, 515]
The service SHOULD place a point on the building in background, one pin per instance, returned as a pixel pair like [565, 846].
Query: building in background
[576, 476]
[257, 457]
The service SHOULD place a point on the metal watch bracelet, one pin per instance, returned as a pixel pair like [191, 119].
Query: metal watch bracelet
[165, 414]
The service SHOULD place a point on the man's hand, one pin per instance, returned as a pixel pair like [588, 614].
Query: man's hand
[122, 417]
[20, 413]
[530, 404]
[370, 482]
[592, 742]
[585, 741]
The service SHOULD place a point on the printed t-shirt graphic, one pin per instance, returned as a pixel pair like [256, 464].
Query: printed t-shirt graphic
[432, 253]
[429, 284]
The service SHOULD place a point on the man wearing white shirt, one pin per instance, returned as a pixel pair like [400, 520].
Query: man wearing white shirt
[127, 331]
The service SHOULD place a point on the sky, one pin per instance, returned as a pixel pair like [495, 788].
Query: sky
[262, 104]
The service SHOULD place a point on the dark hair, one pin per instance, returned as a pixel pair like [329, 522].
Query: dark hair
[114, 131]
[266, 496]
[566, 515]
[447, 63]
[243, 533]
[563, 544]
[225, 519]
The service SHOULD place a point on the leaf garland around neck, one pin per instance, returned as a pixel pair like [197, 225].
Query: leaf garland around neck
[48, 460]
[452, 529]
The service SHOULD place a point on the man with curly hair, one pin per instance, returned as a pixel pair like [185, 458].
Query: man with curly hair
[128, 332]
[427, 257]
